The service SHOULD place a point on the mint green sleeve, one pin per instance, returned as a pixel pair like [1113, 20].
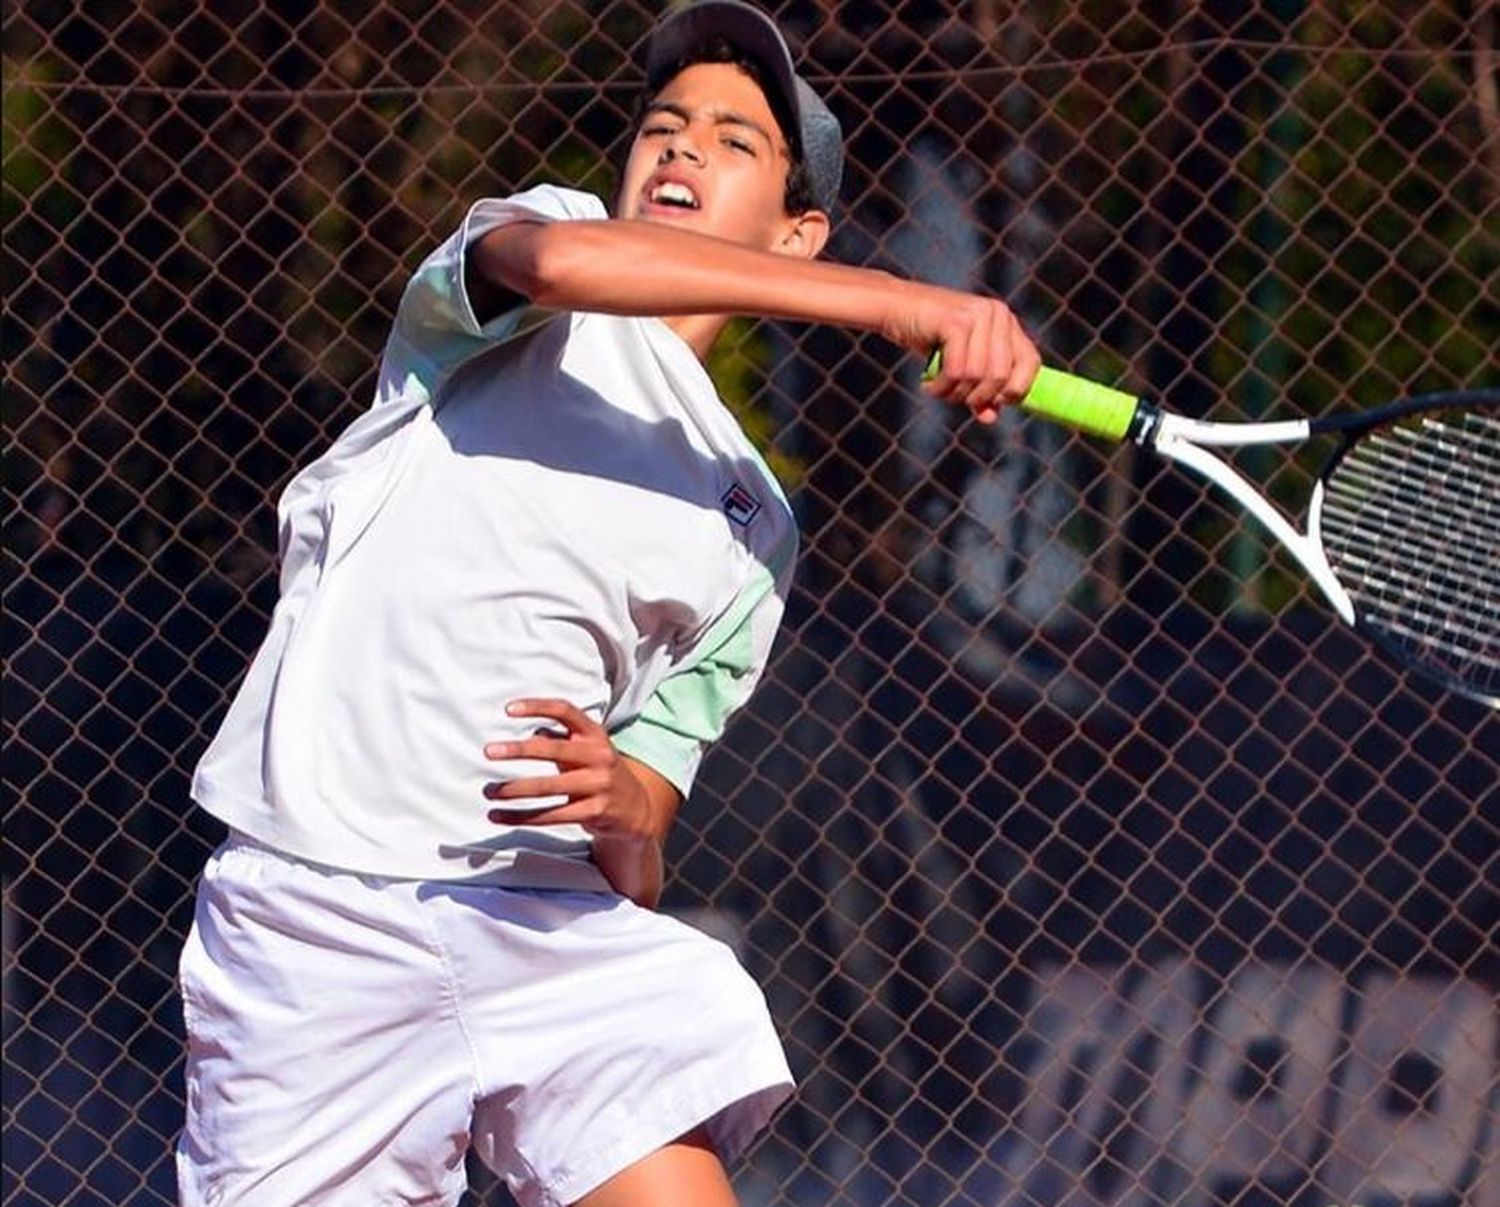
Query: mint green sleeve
[691, 706]
[436, 329]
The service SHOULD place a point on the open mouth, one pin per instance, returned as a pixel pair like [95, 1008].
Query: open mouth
[677, 196]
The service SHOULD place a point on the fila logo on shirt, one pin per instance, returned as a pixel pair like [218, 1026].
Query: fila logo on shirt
[739, 504]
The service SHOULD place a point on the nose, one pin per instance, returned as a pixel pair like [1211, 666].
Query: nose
[681, 144]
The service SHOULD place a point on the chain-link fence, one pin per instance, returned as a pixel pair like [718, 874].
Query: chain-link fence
[1084, 857]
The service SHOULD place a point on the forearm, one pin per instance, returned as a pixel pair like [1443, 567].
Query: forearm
[629, 267]
[634, 867]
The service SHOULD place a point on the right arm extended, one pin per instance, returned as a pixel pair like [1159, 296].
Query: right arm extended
[620, 266]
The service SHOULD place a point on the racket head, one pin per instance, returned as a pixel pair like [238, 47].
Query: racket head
[1407, 510]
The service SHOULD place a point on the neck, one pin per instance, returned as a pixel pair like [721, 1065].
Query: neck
[698, 331]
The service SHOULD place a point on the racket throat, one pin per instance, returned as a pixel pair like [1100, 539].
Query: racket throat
[1173, 439]
[1145, 424]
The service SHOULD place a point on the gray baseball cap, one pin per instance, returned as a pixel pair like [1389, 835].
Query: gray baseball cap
[807, 122]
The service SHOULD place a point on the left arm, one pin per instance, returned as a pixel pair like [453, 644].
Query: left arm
[625, 806]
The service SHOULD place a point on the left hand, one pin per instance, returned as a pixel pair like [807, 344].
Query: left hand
[604, 797]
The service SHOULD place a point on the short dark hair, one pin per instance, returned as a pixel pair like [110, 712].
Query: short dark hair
[798, 197]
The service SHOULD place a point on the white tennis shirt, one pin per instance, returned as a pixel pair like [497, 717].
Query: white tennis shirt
[564, 510]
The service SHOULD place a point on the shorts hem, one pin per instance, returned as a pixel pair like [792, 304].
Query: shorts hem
[748, 1109]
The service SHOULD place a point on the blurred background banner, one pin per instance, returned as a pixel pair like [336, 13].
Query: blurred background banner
[1084, 858]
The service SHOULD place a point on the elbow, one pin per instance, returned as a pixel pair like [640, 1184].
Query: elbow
[525, 259]
[548, 272]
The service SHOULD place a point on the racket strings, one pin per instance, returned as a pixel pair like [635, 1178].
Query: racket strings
[1411, 524]
[1435, 539]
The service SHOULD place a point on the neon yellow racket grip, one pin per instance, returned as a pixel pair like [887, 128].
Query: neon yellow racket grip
[1074, 401]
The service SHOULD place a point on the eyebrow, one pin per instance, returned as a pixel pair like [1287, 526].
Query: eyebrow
[721, 117]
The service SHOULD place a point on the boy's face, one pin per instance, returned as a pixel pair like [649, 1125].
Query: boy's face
[709, 156]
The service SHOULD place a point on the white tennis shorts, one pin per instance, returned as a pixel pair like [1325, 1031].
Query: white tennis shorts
[350, 1037]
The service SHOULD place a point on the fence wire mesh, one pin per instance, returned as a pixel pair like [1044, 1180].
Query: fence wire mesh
[1083, 856]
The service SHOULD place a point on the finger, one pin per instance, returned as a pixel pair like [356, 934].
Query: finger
[954, 371]
[985, 398]
[1027, 360]
[586, 813]
[955, 340]
[979, 385]
[573, 784]
[997, 362]
[572, 751]
[557, 710]
[977, 370]
[557, 815]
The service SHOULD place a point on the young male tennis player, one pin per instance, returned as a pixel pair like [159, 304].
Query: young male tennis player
[518, 598]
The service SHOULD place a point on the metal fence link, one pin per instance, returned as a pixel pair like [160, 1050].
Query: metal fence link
[1083, 856]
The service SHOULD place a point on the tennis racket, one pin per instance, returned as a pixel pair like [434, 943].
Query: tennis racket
[1402, 527]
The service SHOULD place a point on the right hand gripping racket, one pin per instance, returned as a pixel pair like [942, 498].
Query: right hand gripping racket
[1402, 527]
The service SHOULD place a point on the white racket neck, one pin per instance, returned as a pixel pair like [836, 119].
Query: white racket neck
[1187, 442]
[1222, 435]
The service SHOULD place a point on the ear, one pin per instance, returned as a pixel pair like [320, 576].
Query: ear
[804, 235]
